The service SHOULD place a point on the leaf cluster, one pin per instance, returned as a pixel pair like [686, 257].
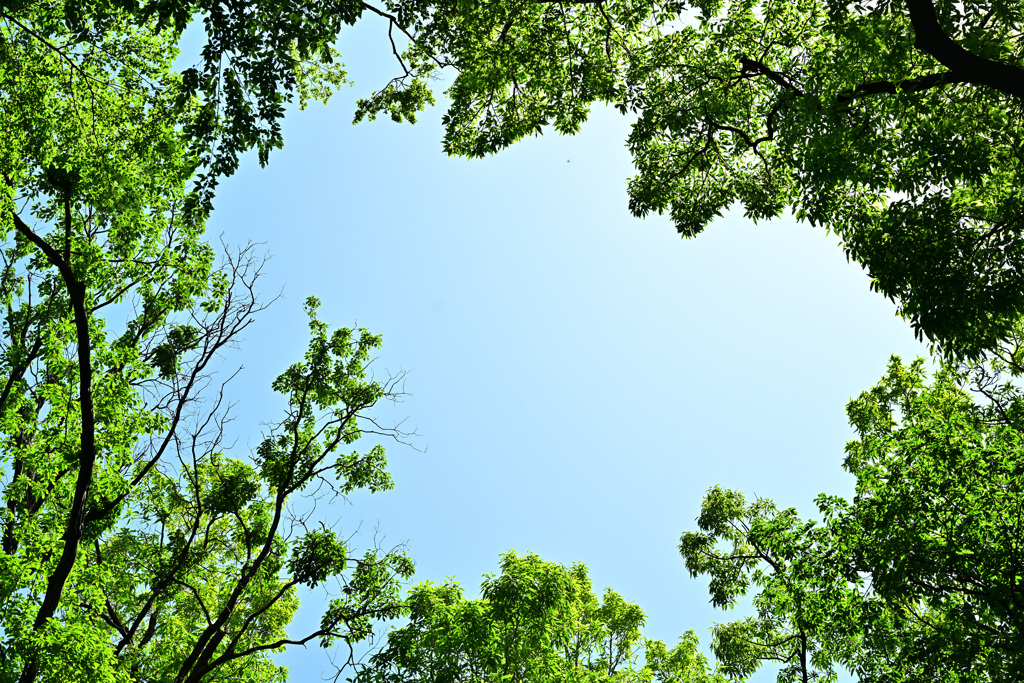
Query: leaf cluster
[918, 574]
[535, 621]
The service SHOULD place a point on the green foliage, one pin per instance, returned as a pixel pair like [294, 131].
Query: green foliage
[807, 614]
[133, 547]
[179, 340]
[522, 66]
[919, 574]
[682, 664]
[399, 101]
[316, 556]
[937, 512]
[897, 125]
[536, 621]
[256, 58]
[317, 80]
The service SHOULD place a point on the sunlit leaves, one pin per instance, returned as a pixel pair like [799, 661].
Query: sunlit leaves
[535, 621]
[919, 573]
[177, 567]
[829, 110]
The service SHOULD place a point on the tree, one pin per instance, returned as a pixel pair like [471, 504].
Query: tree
[895, 124]
[919, 576]
[536, 621]
[811, 612]
[134, 547]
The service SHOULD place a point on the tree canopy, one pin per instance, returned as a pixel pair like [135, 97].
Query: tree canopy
[918, 577]
[135, 545]
[536, 621]
[895, 124]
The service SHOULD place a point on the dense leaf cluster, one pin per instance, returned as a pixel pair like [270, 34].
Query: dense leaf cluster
[535, 622]
[918, 577]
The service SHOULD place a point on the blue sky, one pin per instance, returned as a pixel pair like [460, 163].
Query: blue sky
[578, 377]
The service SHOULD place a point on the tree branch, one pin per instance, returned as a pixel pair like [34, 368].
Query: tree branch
[393, 21]
[910, 85]
[754, 66]
[971, 68]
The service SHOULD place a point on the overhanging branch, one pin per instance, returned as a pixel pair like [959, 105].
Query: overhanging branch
[964, 65]
[910, 85]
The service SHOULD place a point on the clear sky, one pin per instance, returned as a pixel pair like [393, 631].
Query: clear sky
[578, 377]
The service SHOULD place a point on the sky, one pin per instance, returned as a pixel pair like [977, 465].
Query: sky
[578, 377]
